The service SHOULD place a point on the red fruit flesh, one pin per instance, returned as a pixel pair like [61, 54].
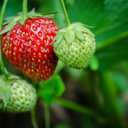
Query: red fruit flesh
[25, 47]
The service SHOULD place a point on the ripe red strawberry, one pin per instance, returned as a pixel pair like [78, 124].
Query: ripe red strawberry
[26, 47]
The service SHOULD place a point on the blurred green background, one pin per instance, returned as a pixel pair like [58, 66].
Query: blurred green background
[103, 86]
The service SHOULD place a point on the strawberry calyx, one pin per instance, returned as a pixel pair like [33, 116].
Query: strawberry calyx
[11, 78]
[5, 87]
[73, 31]
[9, 22]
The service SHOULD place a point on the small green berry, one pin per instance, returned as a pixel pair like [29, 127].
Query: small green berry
[75, 45]
[22, 97]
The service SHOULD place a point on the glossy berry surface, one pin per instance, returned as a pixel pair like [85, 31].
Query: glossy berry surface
[22, 98]
[26, 47]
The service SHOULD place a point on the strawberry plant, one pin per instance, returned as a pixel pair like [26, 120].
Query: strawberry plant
[63, 73]
[75, 44]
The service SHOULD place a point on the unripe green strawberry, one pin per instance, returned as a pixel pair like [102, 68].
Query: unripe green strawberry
[22, 97]
[75, 45]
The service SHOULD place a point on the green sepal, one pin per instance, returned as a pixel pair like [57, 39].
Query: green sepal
[5, 86]
[69, 36]
[7, 20]
[49, 13]
[12, 77]
[87, 26]
[84, 29]
[22, 21]
[11, 21]
[33, 14]
[79, 34]
[5, 92]
[58, 37]
[8, 27]
[75, 30]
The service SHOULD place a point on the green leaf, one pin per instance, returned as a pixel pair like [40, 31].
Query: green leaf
[120, 80]
[79, 34]
[116, 6]
[47, 97]
[5, 92]
[69, 2]
[94, 63]
[8, 27]
[54, 85]
[52, 12]
[112, 56]
[112, 110]
[50, 88]
[69, 35]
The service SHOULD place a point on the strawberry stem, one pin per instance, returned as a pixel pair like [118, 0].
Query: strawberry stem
[33, 118]
[2, 13]
[24, 10]
[65, 13]
[4, 71]
[46, 114]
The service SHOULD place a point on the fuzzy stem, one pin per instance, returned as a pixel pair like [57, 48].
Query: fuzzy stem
[33, 118]
[24, 8]
[46, 114]
[65, 13]
[1, 20]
